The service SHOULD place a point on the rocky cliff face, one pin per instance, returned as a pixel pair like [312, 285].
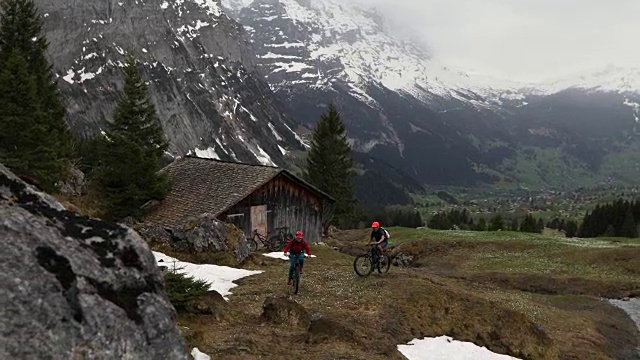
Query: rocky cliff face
[198, 63]
[77, 288]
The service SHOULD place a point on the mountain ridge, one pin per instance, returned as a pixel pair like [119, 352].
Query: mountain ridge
[439, 125]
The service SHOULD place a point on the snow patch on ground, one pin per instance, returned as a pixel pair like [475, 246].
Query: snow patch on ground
[280, 255]
[445, 348]
[199, 355]
[220, 277]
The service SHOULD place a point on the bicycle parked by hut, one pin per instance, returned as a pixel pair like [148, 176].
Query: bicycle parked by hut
[271, 243]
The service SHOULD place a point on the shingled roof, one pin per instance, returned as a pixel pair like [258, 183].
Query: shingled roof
[206, 185]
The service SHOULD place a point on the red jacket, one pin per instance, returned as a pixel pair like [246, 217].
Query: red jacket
[297, 247]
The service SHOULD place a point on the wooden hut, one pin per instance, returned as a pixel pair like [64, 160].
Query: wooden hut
[249, 196]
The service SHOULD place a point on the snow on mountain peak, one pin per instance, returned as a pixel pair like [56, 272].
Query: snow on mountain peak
[318, 43]
[609, 79]
[330, 40]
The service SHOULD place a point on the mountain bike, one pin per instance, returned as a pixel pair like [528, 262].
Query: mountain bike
[371, 260]
[295, 281]
[273, 243]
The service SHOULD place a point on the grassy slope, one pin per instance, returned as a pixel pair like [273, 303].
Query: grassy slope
[489, 288]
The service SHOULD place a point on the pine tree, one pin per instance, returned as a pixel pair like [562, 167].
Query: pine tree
[571, 228]
[496, 223]
[330, 166]
[181, 288]
[514, 225]
[482, 225]
[628, 228]
[128, 176]
[23, 48]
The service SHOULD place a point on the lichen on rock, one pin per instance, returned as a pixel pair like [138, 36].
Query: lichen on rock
[76, 286]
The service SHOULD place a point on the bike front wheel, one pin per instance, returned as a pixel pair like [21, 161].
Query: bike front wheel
[296, 279]
[363, 265]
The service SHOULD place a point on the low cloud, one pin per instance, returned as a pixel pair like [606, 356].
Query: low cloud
[522, 39]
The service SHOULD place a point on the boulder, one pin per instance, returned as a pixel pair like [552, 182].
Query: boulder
[74, 185]
[282, 310]
[322, 329]
[211, 303]
[402, 259]
[207, 234]
[75, 287]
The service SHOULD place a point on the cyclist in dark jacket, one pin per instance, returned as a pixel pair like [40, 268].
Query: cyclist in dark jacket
[380, 236]
[297, 247]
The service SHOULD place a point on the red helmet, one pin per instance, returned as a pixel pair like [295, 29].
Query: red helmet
[375, 224]
[299, 235]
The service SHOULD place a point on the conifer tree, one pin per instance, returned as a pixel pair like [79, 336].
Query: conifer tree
[482, 225]
[628, 228]
[496, 223]
[330, 166]
[36, 142]
[128, 176]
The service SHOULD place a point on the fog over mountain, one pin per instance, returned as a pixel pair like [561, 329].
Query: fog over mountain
[519, 39]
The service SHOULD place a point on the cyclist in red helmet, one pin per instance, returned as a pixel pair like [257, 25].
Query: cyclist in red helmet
[297, 246]
[380, 236]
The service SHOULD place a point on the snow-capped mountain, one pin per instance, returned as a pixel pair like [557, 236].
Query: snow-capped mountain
[438, 124]
[610, 79]
[236, 80]
[200, 66]
[358, 47]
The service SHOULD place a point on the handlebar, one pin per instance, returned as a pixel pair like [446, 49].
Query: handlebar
[305, 255]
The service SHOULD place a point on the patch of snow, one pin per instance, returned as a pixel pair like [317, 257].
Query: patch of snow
[69, 77]
[220, 277]
[164, 5]
[610, 79]
[282, 150]
[274, 132]
[199, 355]
[211, 6]
[300, 140]
[635, 107]
[286, 45]
[90, 56]
[445, 348]
[271, 55]
[263, 157]
[280, 255]
[209, 153]
[631, 307]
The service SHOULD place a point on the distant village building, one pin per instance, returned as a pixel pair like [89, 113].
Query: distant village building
[249, 196]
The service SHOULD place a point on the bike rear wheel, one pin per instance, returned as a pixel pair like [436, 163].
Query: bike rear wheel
[272, 244]
[253, 245]
[363, 265]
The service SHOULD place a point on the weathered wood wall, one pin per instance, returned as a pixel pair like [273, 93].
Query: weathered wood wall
[288, 204]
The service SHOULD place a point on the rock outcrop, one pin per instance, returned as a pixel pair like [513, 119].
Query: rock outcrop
[199, 236]
[75, 287]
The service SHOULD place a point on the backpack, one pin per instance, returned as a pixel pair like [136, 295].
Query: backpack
[386, 233]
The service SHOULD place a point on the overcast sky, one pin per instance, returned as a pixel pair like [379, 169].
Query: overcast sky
[527, 40]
